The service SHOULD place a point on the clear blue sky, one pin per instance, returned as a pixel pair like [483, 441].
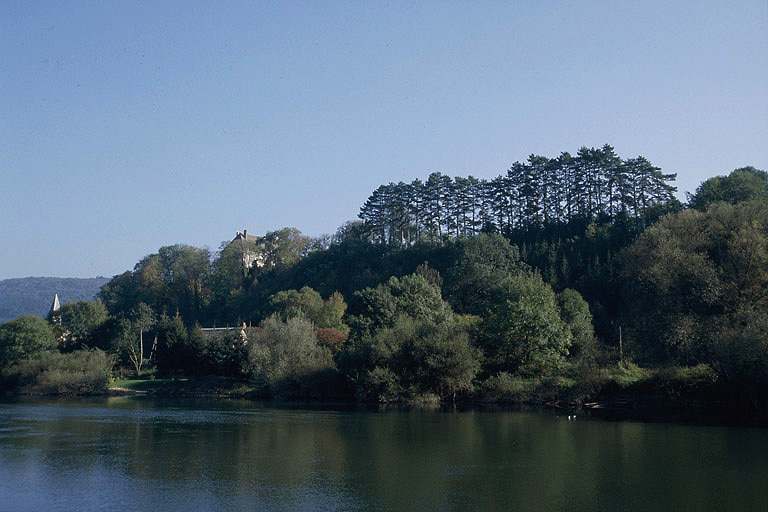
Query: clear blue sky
[129, 125]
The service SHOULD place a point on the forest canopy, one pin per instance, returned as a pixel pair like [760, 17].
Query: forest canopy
[446, 287]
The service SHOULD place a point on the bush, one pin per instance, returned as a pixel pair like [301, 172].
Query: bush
[330, 337]
[683, 380]
[413, 357]
[504, 387]
[76, 373]
[224, 355]
[739, 348]
[625, 374]
[288, 355]
[378, 385]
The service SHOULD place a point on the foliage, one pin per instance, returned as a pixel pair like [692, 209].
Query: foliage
[174, 352]
[442, 360]
[409, 295]
[191, 352]
[310, 305]
[677, 380]
[228, 271]
[469, 323]
[476, 265]
[51, 372]
[672, 283]
[352, 231]
[738, 347]
[378, 384]
[523, 331]
[329, 337]
[592, 184]
[605, 233]
[696, 288]
[414, 356]
[23, 337]
[581, 255]
[127, 336]
[431, 275]
[224, 355]
[332, 314]
[305, 302]
[625, 373]
[504, 387]
[574, 311]
[288, 355]
[80, 320]
[176, 278]
[141, 319]
[743, 184]
[285, 247]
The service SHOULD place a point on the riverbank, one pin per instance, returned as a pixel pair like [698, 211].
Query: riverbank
[627, 392]
[620, 391]
[180, 387]
[687, 395]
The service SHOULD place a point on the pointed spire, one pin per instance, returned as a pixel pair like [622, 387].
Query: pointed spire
[54, 315]
[55, 307]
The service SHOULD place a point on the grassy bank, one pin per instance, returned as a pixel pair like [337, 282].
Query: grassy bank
[211, 386]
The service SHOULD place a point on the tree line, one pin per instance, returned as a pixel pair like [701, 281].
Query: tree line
[442, 315]
[593, 184]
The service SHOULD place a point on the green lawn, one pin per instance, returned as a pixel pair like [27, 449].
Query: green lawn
[143, 384]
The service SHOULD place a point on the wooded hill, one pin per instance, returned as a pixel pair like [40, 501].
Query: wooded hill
[559, 269]
[34, 295]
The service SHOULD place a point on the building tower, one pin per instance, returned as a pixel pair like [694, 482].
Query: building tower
[55, 313]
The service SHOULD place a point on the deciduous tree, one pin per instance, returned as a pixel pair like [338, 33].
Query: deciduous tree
[24, 336]
[524, 333]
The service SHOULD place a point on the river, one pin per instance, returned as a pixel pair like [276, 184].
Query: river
[133, 453]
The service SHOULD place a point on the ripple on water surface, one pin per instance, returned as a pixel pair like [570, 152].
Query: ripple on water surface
[140, 454]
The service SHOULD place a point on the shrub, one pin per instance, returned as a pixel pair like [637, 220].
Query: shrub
[504, 387]
[378, 385]
[75, 373]
[413, 357]
[288, 355]
[739, 348]
[683, 380]
[329, 337]
[625, 373]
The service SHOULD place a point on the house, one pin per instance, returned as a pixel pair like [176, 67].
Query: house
[254, 249]
[210, 332]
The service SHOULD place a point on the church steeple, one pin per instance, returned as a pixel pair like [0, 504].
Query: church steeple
[54, 314]
[55, 307]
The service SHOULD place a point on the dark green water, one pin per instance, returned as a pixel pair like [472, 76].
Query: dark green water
[137, 454]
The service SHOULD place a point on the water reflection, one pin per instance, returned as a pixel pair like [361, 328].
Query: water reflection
[172, 455]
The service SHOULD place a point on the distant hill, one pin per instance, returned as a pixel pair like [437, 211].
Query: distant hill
[34, 295]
